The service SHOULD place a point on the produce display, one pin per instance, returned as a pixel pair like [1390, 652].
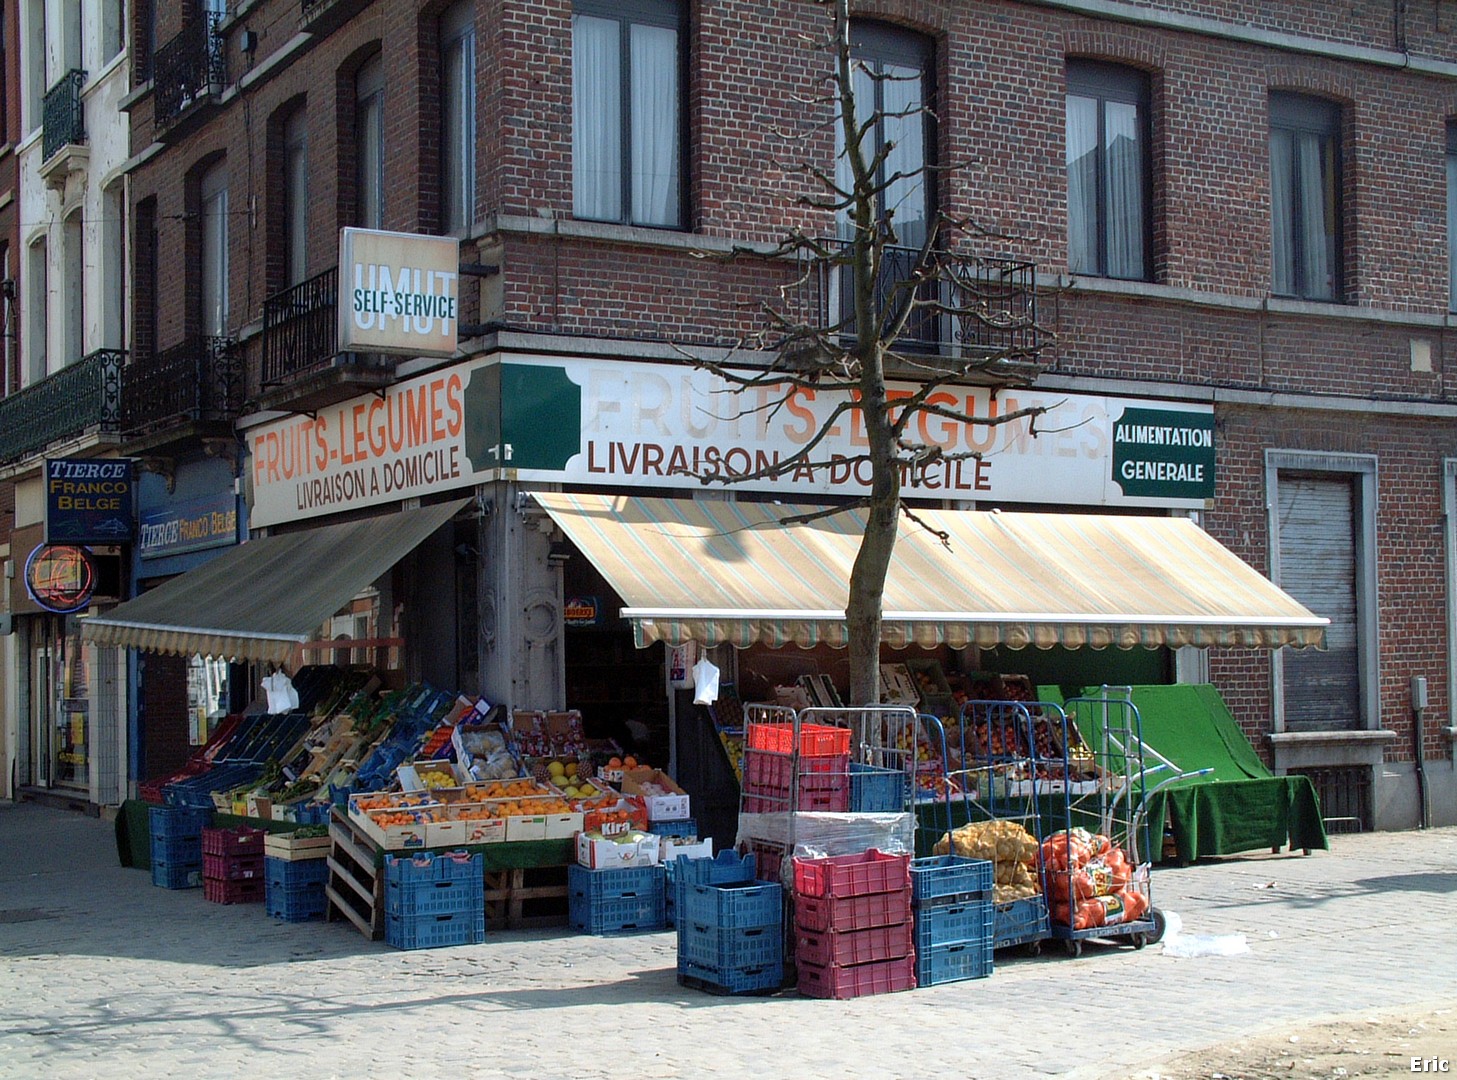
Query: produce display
[1011, 849]
[1090, 881]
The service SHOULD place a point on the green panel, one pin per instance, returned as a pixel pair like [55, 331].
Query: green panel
[1072, 669]
[541, 417]
[483, 418]
[1162, 453]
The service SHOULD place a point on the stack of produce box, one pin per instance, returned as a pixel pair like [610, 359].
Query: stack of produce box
[177, 845]
[432, 900]
[619, 900]
[295, 871]
[853, 930]
[232, 866]
[730, 927]
[823, 780]
[951, 898]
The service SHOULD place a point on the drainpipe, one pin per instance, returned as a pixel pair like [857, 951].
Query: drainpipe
[1418, 708]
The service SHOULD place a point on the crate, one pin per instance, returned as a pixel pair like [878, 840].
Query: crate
[435, 931]
[619, 915]
[877, 790]
[751, 980]
[427, 884]
[954, 925]
[232, 867]
[293, 874]
[686, 827]
[619, 883]
[949, 879]
[854, 913]
[727, 866]
[815, 740]
[730, 950]
[175, 850]
[250, 891]
[859, 980]
[291, 848]
[731, 905]
[852, 875]
[767, 773]
[241, 841]
[1019, 922]
[295, 903]
[179, 875]
[953, 963]
[820, 802]
[853, 947]
[178, 821]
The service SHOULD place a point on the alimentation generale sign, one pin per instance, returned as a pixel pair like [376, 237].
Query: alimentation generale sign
[586, 422]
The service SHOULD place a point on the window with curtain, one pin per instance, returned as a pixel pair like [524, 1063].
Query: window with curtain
[1108, 139]
[295, 196]
[627, 111]
[1452, 215]
[1305, 197]
[457, 119]
[214, 277]
[113, 21]
[369, 144]
[113, 260]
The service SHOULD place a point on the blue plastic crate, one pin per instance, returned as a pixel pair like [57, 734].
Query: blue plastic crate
[295, 903]
[953, 963]
[435, 931]
[178, 822]
[954, 925]
[431, 866]
[946, 879]
[1019, 922]
[710, 947]
[686, 827]
[287, 874]
[670, 906]
[877, 790]
[731, 905]
[730, 980]
[427, 884]
[186, 875]
[619, 915]
[618, 883]
[175, 849]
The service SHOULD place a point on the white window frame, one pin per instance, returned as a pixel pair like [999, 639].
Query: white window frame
[369, 89]
[73, 298]
[33, 63]
[296, 197]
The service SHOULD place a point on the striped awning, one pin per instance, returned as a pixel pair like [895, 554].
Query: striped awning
[262, 599]
[712, 571]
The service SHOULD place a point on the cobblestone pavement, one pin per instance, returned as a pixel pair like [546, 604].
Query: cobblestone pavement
[104, 976]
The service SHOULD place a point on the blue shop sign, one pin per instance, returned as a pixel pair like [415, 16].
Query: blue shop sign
[192, 525]
[90, 501]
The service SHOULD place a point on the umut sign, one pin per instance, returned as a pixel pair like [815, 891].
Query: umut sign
[398, 293]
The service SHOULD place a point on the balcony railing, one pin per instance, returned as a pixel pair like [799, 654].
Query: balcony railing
[63, 121]
[301, 328]
[199, 380]
[82, 397]
[969, 306]
[188, 69]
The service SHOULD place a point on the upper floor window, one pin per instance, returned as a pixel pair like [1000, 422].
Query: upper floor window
[457, 118]
[34, 59]
[37, 307]
[1452, 215]
[627, 115]
[369, 144]
[113, 19]
[1108, 230]
[295, 196]
[214, 277]
[1305, 197]
[73, 294]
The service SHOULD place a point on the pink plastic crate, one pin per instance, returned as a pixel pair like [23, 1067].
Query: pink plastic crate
[768, 773]
[240, 841]
[859, 980]
[854, 947]
[814, 913]
[830, 802]
[815, 740]
[852, 875]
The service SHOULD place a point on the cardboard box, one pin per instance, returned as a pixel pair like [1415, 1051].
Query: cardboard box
[484, 831]
[394, 837]
[563, 826]
[670, 807]
[410, 774]
[637, 817]
[681, 847]
[526, 828]
[444, 833]
[598, 854]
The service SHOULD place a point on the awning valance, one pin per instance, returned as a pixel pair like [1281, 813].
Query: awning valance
[262, 599]
[712, 571]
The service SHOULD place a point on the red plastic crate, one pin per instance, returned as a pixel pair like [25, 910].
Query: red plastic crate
[768, 773]
[814, 913]
[240, 841]
[233, 892]
[232, 867]
[852, 875]
[815, 740]
[829, 802]
[854, 947]
[858, 980]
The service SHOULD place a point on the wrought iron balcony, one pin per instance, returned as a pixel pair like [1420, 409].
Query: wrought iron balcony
[302, 366]
[80, 398]
[198, 382]
[63, 121]
[189, 69]
[967, 306]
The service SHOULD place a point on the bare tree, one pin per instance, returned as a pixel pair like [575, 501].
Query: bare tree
[931, 314]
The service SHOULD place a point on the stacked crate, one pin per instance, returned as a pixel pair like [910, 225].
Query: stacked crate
[853, 929]
[232, 866]
[952, 900]
[730, 927]
[295, 873]
[777, 780]
[432, 900]
[615, 901]
[176, 833]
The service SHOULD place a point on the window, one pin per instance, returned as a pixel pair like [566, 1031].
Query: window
[113, 18]
[35, 63]
[70, 42]
[1305, 197]
[457, 119]
[37, 284]
[295, 197]
[146, 317]
[1107, 171]
[73, 345]
[1452, 215]
[627, 116]
[113, 254]
[214, 284]
[369, 144]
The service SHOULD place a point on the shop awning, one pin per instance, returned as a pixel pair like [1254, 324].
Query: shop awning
[263, 598]
[711, 572]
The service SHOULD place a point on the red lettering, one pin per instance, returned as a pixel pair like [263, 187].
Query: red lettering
[453, 401]
[356, 416]
[376, 428]
[437, 414]
[416, 414]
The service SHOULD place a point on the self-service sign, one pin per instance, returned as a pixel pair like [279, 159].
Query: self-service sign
[90, 501]
[398, 293]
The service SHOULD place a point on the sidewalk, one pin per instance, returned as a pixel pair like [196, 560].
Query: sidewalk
[104, 976]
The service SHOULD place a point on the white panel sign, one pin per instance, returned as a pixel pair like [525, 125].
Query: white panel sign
[398, 293]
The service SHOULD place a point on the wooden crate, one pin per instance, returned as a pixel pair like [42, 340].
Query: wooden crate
[292, 848]
[527, 898]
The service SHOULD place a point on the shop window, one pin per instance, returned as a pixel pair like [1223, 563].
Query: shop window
[1108, 171]
[1305, 197]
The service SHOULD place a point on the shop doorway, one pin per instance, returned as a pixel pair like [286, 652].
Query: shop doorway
[60, 707]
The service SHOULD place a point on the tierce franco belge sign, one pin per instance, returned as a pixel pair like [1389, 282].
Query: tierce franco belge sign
[90, 501]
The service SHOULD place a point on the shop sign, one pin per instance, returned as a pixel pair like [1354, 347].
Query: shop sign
[192, 525]
[1158, 453]
[398, 293]
[89, 500]
[582, 611]
[60, 577]
[620, 423]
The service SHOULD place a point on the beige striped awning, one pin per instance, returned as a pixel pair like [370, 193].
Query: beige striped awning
[711, 572]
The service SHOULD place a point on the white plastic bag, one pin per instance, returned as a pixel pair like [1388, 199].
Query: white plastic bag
[705, 682]
[282, 697]
[1191, 946]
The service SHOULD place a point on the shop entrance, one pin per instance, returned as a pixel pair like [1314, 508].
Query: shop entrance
[60, 706]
